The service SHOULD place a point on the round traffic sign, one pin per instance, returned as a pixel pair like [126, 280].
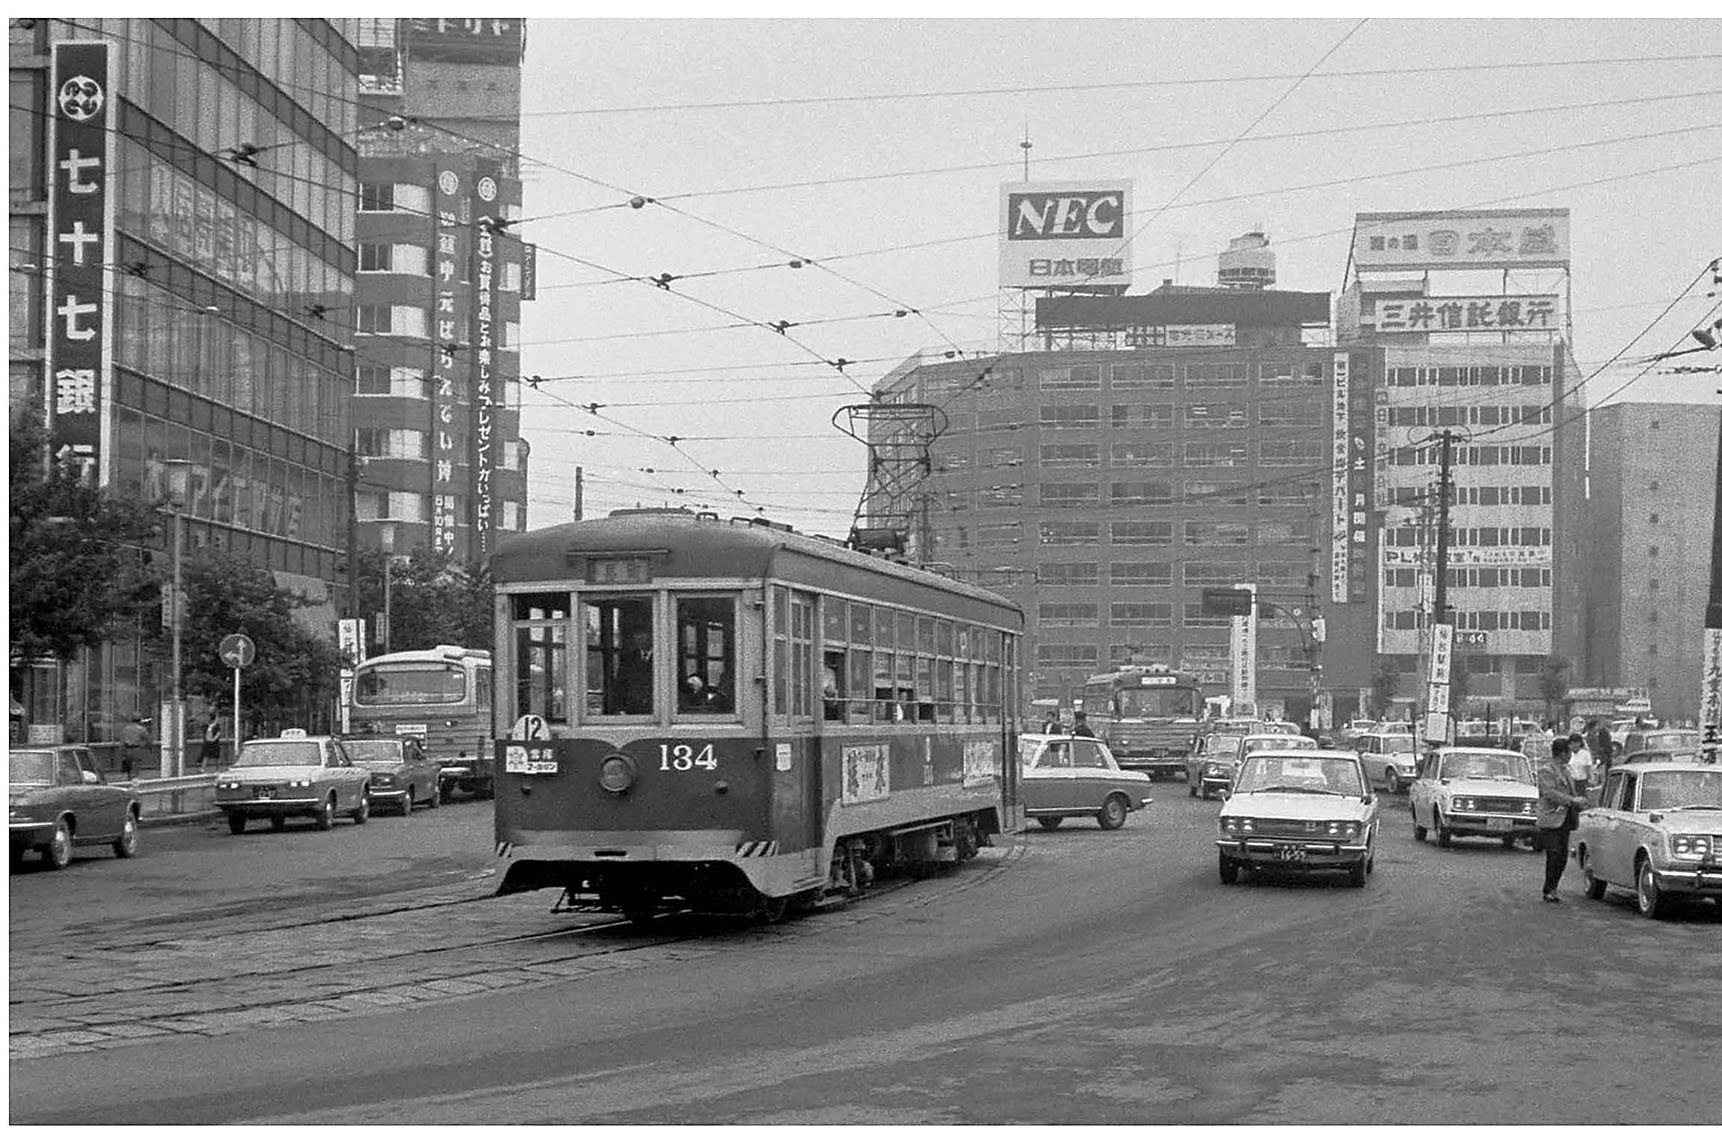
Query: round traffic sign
[238, 651]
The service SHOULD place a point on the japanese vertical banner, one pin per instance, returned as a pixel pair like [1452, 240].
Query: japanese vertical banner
[80, 236]
[1339, 558]
[1362, 483]
[486, 210]
[452, 214]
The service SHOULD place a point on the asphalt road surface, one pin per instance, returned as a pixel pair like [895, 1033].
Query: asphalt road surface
[1068, 976]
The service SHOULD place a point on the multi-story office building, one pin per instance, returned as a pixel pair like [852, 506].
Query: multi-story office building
[1105, 489]
[1494, 369]
[1646, 549]
[182, 223]
[441, 277]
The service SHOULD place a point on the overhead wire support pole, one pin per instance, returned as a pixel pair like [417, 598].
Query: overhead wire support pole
[1443, 525]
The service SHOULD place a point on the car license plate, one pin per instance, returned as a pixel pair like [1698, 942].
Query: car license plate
[1498, 823]
[1290, 853]
[263, 791]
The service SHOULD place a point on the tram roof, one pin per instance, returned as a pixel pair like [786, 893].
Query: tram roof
[684, 545]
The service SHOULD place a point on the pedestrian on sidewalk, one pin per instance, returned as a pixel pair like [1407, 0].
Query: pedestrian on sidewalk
[211, 742]
[132, 739]
[1559, 799]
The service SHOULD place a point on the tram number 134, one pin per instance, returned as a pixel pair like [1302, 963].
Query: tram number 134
[682, 757]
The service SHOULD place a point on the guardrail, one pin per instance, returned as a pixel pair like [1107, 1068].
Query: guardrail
[163, 797]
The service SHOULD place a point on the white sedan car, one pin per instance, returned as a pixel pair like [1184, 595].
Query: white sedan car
[1656, 831]
[1064, 776]
[1462, 791]
[1389, 759]
[1300, 810]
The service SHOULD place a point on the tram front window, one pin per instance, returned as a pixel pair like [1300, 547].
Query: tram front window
[705, 655]
[619, 662]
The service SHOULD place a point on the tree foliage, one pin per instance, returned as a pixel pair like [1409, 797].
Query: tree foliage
[431, 602]
[296, 675]
[1553, 677]
[1382, 680]
[80, 562]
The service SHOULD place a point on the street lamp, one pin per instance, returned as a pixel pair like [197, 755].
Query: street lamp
[178, 489]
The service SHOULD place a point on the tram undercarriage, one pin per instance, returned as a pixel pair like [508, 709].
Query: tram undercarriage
[641, 890]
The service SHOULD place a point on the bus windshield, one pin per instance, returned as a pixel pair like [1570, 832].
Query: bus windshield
[1147, 702]
[409, 683]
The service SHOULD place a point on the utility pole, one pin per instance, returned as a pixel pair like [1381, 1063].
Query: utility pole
[353, 526]
[579, 492]
[1443, 527]
[1437, 704]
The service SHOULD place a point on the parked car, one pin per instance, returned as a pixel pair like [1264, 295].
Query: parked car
[58, 800]
[293, 775]
[1673, 741]
[1299, 810]
[400, 772]
[1657, 831]
[1389, 759]
[1470, 791]
[1211, 761]
[1256, 742]
[1065, 776]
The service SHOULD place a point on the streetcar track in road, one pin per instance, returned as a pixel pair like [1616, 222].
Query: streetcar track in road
[158, 1010]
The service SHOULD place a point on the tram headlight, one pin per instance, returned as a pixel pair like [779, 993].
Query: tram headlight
[617, 773]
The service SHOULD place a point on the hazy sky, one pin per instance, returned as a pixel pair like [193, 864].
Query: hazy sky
[893, 193]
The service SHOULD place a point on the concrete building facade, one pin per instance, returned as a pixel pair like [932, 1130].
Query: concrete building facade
[441, 276]
[1646, 548]
[1105, 489]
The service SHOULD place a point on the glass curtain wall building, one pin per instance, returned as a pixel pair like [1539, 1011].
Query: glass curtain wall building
[225, 305]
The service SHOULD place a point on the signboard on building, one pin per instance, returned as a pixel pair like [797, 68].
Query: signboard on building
[1467, 314]
[470, 39]
[81, 257]
[486, 211]
[1190, 335]
[1244, 656]
[1710, 690]
[1361, 482]
[1477, 556]
[1339, 559]
[453, 215]
[528, 272]
[1064, 234]
[1461, 240]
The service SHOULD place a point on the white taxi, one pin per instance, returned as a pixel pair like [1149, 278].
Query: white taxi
[293, 775]
[1466, 791]
[1656, 831]
[1299, 810]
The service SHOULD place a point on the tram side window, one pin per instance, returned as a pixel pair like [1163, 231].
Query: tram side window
[792, 653]
[619, 655]
[540, 656]
[834, 674]
[705, 655]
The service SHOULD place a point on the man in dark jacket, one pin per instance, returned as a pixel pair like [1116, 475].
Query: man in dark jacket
[1559, 799]
[1082, 728]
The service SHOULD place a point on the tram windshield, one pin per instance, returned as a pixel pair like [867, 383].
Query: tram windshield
[619, 665]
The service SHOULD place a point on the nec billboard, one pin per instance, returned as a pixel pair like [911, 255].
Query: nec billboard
[1064, 234]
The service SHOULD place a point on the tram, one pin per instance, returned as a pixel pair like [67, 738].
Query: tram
[736, 717]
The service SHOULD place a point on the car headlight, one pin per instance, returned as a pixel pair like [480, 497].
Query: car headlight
[1689, 847]
[299, 785]
[1463, 803]
[1237, 825]
[383, 778]
[227, 785]
[1528, 807]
